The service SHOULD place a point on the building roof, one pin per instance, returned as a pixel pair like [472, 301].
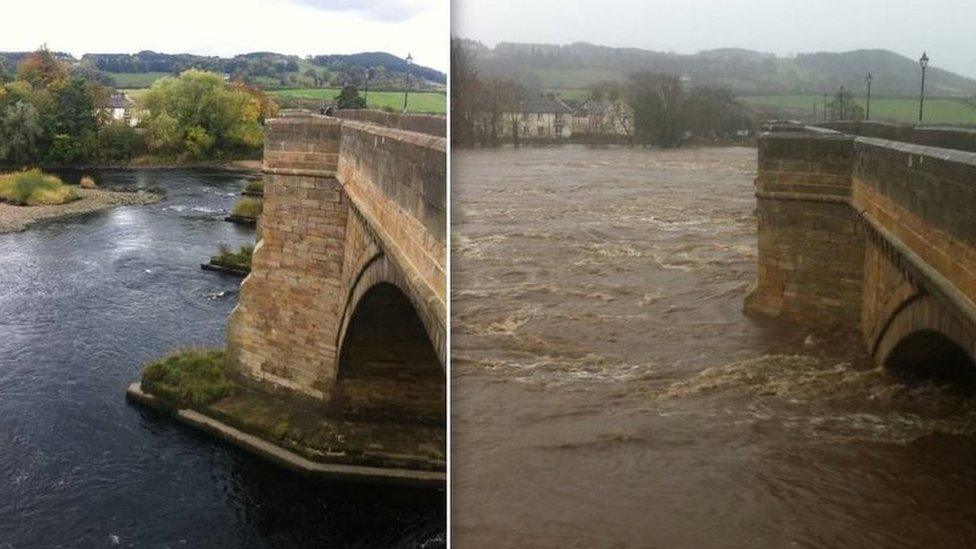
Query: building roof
[119, 101]
[599, 106]
[544, 104]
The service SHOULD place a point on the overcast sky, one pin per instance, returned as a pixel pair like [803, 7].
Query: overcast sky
[229, 27]
[945, 28]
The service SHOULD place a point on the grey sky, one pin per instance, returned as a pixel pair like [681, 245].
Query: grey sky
[229, 27]
[945, 28]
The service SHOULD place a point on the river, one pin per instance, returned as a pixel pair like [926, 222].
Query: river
[609, 390]
[84, 303]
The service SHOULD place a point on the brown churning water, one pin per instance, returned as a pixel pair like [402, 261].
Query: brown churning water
[609, 390]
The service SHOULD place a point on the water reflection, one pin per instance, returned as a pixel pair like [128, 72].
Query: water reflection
[83, 303]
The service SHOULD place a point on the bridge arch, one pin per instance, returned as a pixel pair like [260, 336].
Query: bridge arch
[924, 339]
[389, 366]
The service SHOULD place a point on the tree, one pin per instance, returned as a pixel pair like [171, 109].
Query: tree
[843, 107]
[657, 102]
[712, 112]
[42, 68]
[349, 99]
[20, 133]
[197, 115]
[70, 120]
[465, 87]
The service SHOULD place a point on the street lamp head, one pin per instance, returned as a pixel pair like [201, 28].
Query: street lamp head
[870, 78]
[924, 60]
[409, 59]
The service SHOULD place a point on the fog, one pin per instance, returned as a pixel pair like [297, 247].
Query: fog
[943, 28]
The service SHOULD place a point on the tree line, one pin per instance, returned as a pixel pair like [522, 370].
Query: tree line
[55, 114]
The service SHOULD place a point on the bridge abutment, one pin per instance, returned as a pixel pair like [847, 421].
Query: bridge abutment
[876, 234]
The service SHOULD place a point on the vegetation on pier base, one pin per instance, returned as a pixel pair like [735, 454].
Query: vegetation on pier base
[193, 377]
[235, 260]
[248, 207]
[256, 186]
[197, 379]
[34, 188]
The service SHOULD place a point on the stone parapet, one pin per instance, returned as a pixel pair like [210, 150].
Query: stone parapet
[859, 230]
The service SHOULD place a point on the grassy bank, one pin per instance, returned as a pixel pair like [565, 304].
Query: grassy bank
[194, 377]
[896, 109]
[240, 259]
[34, 188]
[417, 102]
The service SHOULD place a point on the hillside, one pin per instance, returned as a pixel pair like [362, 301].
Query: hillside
[265, 68]
[744, 71]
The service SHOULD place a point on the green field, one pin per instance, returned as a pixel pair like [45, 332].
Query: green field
[901, 109]
[419, 102]
[136, 79]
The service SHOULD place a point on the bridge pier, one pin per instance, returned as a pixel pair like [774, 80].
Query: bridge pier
[345, 303]
[873, 234]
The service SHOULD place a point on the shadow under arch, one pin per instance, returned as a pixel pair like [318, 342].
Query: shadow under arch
[388, 368]
[928, 355]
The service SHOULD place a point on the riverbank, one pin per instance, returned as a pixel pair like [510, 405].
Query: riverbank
[18, 218]
[155, 163]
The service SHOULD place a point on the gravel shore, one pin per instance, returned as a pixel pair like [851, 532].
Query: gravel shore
[17, 218]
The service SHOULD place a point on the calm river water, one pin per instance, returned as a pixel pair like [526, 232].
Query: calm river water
[609, 391]
[83, 304]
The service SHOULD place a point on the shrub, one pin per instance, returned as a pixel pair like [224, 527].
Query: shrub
[192, 377]
[87, 182]
[256, 186]
[248, 207]
[239, 260]
[34, 188]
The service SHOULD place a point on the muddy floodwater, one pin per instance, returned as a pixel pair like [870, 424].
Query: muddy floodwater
[609, 390]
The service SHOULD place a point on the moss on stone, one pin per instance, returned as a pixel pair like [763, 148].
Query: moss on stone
[191, 378]
[256, 186]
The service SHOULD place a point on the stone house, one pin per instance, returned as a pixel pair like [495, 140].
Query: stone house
[539, 117]
[604, 117]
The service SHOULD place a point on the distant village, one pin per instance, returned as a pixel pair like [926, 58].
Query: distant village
[546, 116]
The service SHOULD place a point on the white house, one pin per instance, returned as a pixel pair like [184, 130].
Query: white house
[120, 107]
[539, 117]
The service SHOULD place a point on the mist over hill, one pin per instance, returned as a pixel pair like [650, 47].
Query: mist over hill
[581, 64]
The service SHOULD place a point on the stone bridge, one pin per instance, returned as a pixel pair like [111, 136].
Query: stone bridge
[873, 233]
[345, 305]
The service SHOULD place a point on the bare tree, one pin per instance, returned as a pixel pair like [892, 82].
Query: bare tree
[656, 99]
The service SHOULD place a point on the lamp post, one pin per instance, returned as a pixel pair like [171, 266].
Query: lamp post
[924, 63]
[369, 76]
[842, 100]
[406, 88]
[867, 111]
